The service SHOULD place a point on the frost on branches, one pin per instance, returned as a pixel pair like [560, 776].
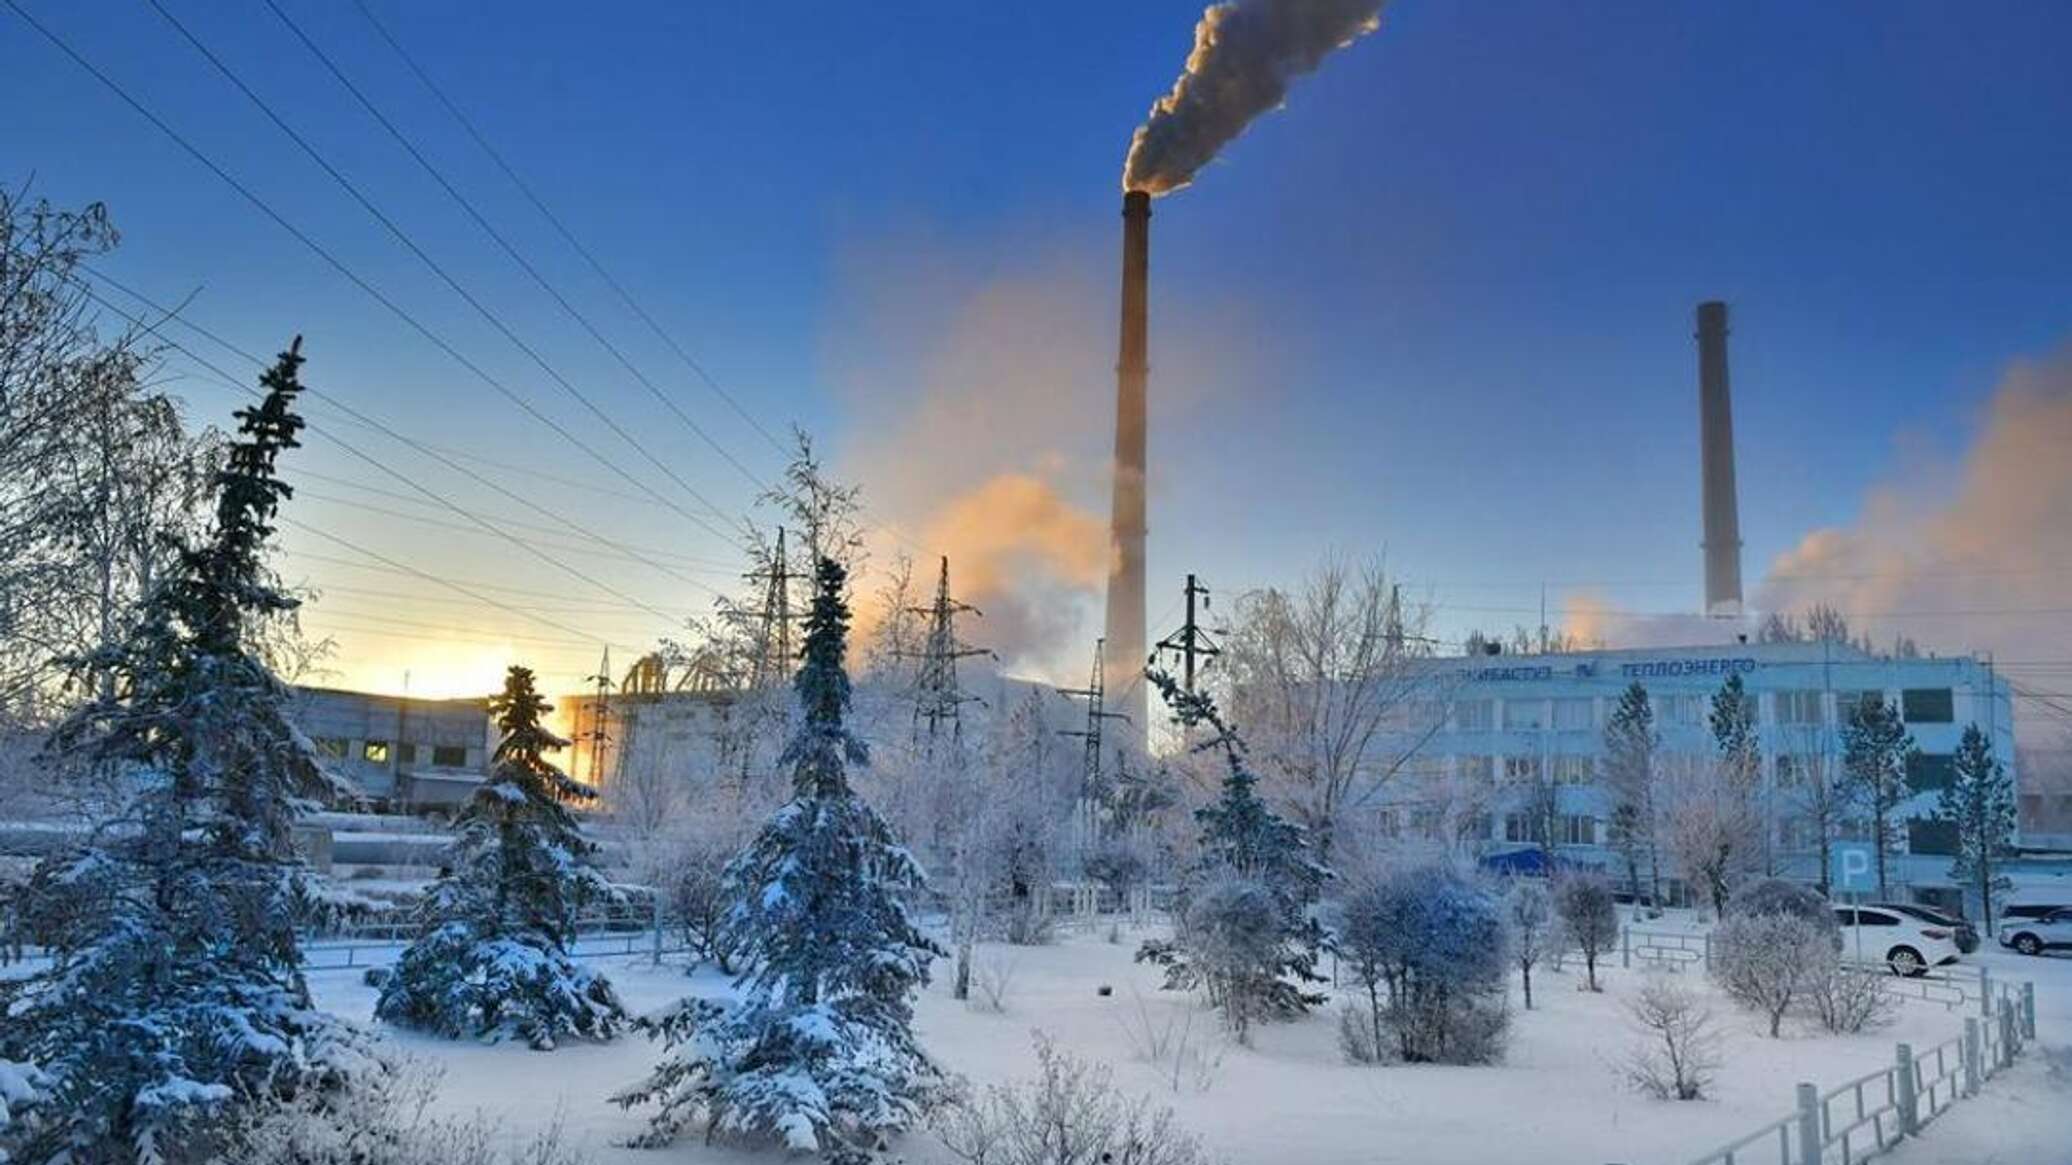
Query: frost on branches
[495, 963]
[817, 1051]
[174, 1007]
[1243, 934]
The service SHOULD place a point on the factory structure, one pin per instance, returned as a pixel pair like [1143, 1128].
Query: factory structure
[1497, 729]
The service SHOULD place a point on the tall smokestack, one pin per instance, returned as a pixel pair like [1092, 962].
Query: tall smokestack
[1126, 639]
[1716, 442]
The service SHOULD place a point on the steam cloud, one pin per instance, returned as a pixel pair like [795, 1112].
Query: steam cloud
[1245, 54]
[1974, 556]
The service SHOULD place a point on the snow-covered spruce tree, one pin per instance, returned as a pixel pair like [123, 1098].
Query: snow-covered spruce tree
[1630, 742]
[495, 960]
[817, 1050]
[1248, 854]
[174, 1008]
[1876, 749]
[1979, 803]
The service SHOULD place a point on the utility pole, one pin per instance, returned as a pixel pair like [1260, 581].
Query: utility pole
[772, 620]
[937, 697]
[1190, 642]
[1095, 695]
[600, 718]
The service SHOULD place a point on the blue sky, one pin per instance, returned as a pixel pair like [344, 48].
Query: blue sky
[1440, 305]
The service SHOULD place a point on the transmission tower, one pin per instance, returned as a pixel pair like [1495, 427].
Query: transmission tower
[1095, 695]
[600, 718]
[771, 658]
[937, 696]
[1191, 643]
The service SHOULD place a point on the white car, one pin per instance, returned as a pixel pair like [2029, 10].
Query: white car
[1910, 946]
[2034, 930]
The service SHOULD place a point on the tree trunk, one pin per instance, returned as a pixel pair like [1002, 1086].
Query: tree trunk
[1526, 970]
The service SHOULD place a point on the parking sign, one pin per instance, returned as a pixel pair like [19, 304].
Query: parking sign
[1851, 870]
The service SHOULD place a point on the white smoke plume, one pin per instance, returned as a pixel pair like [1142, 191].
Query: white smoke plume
[1245, 54]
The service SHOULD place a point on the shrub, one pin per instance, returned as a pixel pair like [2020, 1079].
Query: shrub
[387, 1121]
[1232, 933]
[1769, 962]
[994, 978]
[1070, 1114]
[1427, 950]
[1777, 896]
[1590, 917]
[1534, 928]
[1678, 1051]
[1848, 999]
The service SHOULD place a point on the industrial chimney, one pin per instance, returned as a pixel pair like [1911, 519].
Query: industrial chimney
[1125, 656]
[1716, 455]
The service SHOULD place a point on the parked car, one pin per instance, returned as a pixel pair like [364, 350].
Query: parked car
[2036, 929]
[1965, 934]
[1906, 944]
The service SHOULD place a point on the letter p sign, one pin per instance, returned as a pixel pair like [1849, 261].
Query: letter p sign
[1852, 867]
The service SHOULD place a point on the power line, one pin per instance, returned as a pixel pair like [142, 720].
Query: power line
[508, 249]
[479, 521]
[337, 264]
[561, 228]
[413, 483]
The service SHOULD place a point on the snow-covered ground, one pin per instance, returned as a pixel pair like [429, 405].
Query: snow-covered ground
[1291, 1097]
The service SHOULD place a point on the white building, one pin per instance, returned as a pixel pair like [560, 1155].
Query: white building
[1503, 723]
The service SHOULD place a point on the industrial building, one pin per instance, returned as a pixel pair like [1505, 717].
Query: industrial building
[404, 754]
[1500, 726]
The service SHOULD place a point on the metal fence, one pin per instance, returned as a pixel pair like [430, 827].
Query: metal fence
[1864, 1117]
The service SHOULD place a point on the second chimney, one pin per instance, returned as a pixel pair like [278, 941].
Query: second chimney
[1716, 457]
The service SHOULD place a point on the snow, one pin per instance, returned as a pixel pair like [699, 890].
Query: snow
[1291, 1097]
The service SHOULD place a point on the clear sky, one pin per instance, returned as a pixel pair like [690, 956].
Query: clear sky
[1440, 305]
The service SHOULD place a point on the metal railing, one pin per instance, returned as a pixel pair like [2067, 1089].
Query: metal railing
[1869, 1115]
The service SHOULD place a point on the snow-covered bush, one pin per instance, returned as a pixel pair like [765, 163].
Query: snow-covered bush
[1769, 962]
[174, 1005]
[1534, 929]
[1426, 948]
[1245, 896]
[1677, 1052]
[1778, 896]
[495, 963]
[1070, 1114]
[994, 977]
[23, 1088]
[1589, 918]
[693, 885]
[817, 1051]
[1171, 1044]
[1848, 998]
[388, 1121]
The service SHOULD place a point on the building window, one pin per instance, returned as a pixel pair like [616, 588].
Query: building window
[1480, 770]
[1578, 830]
[1473, 716]
[1799, 707]
[406, 754]
[1683, 709]
[333, 747]
[1795, 833]
[1848, 703]
[449, 756]
[1573, 770]
[1425, 821]
[1927, 706]
[375, 752]
[1929, 771]
[1574, 715]
[1522, 770]
[1932, 837]
[1791, 770]
[1517, 827]
[1386, 821]
[1476, 827]
[1524, 715]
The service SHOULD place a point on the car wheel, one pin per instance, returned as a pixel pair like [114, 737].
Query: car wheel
[1906, 962]
[2028, 944]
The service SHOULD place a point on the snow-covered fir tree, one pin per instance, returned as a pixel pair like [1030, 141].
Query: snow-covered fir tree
[1242, 840]
[174, 1008]
[495, 962]
[817, 1050]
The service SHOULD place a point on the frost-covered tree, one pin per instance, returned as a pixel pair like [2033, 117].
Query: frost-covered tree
[494, 962]
[1241, 841]
[1770, 962]
[1979, 803]
[1630, 742]
[1427, 949]
[1589, 918]
[174, 1007]
[1535, 929]
[1875, 749]
[817, 1050]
